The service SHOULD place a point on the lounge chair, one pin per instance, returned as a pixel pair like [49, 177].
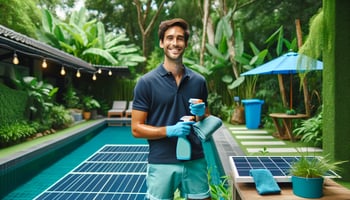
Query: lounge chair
[128, 111]
[118, 109]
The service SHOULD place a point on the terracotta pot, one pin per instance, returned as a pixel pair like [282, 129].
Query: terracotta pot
[86, 115]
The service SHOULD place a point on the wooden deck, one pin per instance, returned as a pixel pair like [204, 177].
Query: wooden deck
[247, 191]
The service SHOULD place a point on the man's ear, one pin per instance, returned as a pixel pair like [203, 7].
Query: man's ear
[161, 44]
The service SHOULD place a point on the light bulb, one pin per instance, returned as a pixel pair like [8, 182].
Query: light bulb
[44, 64]
[99, 70]
[78, 74]
[63, 72]
[94, 77]
[110, 73]
[15, 59]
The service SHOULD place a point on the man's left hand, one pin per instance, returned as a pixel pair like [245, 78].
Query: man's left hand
[197, 109]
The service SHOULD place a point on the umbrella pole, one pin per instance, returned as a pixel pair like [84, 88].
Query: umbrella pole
[291, 92]
[282, 90]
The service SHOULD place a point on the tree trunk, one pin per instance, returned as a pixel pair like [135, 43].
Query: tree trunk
[205, 23]
[142, 15]
[210, 32]
[304, 80]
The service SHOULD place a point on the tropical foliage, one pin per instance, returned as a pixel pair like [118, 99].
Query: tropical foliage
[87, 39]
[70, 98]
[44, 114]
[223, 190]
[40, 96]
[20, 15]
[89, 103]
[310, 130]
[235, 41]
[219, 62]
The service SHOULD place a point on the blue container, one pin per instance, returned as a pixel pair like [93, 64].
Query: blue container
[77, 117]
[307, 187]
[252, 109]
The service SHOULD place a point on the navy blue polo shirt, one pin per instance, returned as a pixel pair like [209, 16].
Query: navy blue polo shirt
[158, 94]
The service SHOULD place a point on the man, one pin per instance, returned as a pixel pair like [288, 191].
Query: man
[161, 98]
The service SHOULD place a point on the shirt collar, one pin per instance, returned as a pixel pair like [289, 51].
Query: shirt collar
[163, 72]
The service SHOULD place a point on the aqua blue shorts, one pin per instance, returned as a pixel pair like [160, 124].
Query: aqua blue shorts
[190, 177]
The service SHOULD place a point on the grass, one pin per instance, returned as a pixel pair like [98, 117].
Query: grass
[345, 184]
[264, 149]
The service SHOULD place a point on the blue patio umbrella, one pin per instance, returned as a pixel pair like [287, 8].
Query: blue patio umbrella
[289, 63]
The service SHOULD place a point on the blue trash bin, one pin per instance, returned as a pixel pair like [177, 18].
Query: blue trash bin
[252, 109]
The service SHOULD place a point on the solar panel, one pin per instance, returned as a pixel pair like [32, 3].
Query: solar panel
[278, 165]
[113, 172]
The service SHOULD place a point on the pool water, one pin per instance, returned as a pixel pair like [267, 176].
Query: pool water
[40, 182]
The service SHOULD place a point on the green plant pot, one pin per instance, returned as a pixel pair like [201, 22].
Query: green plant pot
[307, 187]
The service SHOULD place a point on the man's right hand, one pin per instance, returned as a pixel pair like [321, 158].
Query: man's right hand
[180, 129]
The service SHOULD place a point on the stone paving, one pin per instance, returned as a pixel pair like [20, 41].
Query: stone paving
[247, 137]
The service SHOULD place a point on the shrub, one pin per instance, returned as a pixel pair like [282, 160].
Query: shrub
[311, 130]
[70, 98]
[217, 108]
[59, 117]
[15, 132]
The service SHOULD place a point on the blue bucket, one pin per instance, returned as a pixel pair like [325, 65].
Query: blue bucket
[307, 187]
[252, 109]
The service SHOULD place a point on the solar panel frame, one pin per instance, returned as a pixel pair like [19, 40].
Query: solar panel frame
[278, 165]
[112, 172]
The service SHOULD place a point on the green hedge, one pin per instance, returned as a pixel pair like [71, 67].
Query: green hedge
[13, 105]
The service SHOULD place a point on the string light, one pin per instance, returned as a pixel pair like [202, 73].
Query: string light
[63, 72]
[15, 58]
[44, 64]
[110, 73]
[78, 73]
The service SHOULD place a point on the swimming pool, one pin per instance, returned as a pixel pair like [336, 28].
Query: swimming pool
[88, 145]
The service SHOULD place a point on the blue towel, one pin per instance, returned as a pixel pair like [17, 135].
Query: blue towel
[264, 181]
[206, 127]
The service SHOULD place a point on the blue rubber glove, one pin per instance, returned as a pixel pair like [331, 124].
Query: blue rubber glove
[180, 129]
[197, 109]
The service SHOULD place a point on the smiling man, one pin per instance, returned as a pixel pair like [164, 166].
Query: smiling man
[161, 98]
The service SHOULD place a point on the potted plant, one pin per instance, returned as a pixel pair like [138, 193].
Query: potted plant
[238, 112]
[89, 105]
[308, 175]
